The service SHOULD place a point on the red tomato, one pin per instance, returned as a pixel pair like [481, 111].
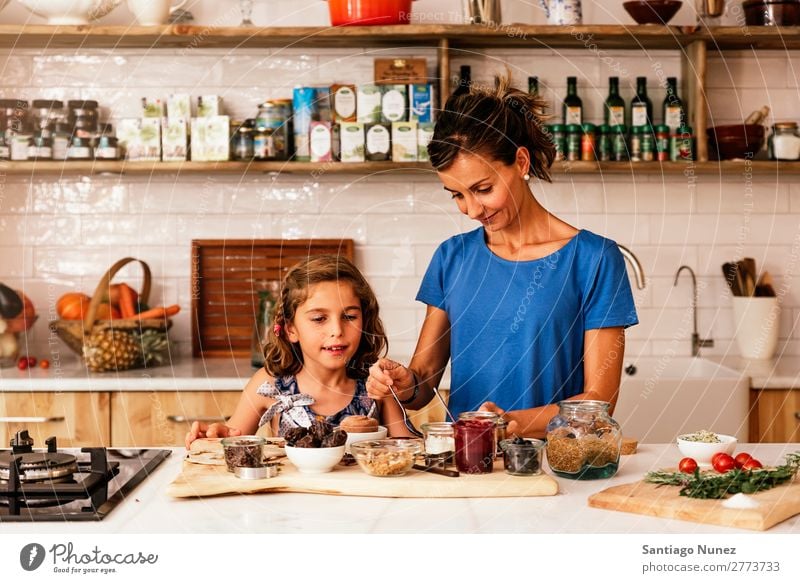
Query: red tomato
[751, 464]
[687, 465]
[716, 455]
[22, 363]
[742, 459]
[31, 361]
[44, 364]
[723, 463]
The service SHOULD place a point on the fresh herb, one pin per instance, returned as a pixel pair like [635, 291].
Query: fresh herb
[714, 486]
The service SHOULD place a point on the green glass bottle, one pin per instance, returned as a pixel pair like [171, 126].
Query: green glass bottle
[533, 85]
[673, 110]
[573, 106]
[641, 106]
[614, 105]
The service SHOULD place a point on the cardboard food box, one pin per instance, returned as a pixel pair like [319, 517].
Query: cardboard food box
[179, 106]
[321, 141]
[351, 142]
[343, 99]
[420, 103]
[152, 107]
[394, 103]
[209, 106]
[174, 140]
[211, 139]
[424, 137]
[404, 141]
[368, 104]
[378, 143]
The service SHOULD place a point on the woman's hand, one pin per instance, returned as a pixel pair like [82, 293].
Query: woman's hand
[200, 430]
[387, 373]
[513, 426]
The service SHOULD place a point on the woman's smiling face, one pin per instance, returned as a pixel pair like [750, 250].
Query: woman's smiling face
[483, 190]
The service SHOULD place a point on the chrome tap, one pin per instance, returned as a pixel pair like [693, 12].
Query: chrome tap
[697, 342]
[635, 264]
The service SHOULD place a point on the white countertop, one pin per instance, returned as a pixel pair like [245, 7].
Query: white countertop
[775, 373]
[150, 510]
[183, 374]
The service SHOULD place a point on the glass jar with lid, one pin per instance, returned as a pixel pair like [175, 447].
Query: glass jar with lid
[440, 443]
[784, 141]
[105, 145]
[61, 140]
[13, 118]
[242, 146]
[83, 117]
[475, 444]
[583, 441]
[45, 114]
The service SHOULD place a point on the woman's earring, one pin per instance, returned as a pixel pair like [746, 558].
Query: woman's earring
[527, 177]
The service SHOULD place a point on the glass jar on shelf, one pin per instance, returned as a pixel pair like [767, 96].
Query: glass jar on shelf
[784, 141]
[267, 298]
[583, 441]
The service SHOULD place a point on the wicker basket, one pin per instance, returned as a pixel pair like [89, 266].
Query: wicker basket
[74, 333]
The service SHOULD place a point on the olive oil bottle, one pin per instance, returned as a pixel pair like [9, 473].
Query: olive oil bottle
[673, 109]
[614, 105]
[573, 106]
[641, 106]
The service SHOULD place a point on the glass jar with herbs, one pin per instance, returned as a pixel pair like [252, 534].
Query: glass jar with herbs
[619, 144]
[574, 136]
[558, 134]
[662, 143]
[604, 143]
[588, 142]
[648, 144]
[583, 441]
[682, 145]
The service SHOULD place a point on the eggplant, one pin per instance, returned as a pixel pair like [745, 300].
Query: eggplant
[10, 303]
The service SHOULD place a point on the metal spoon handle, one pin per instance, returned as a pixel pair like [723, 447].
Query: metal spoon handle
[406, 420]
[441, 400]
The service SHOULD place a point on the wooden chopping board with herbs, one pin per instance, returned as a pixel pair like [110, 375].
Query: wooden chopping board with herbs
[755, 500]
[212, 480]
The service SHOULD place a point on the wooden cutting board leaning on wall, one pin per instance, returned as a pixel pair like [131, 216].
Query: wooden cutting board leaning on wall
[226, 278]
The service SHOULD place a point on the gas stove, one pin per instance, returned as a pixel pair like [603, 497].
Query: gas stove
[69, 484]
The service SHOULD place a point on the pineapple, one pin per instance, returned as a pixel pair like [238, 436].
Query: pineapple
[111, 350]
[154, 347]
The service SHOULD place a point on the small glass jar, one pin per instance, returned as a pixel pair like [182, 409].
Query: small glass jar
[574, 135]
[106, 146]
[20, 143]
[682, 145]
[79, 148]
[83, 117]
[620, 143]
[61, 140]
[242, 142]
[662, 143]
[13, 118]
[264, 144]
[45, 114]
[583, 441]
[558, 134]
[475, 445]
[41, 147]
[588, 143]
[5, 149]
[648, 144]
[636, 144]
[440, 443]
[604, 143]
[784, 142]
[522, 457]
[246, 451]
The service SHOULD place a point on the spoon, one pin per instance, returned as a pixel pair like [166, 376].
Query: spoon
[441, 400]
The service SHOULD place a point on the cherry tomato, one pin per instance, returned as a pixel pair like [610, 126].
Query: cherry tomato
[31, 361]
[723, 463]
[751, 464]
[687, 465]
[44, 364]
[742, 459]
[22, 363]
[716, 455]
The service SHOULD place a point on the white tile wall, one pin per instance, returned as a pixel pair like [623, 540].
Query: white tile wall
[60, 235]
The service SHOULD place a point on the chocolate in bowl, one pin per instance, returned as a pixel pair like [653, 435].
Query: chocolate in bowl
[246, 451]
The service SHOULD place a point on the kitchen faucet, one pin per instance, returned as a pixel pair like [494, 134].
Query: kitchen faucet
[635, 264]
[697, 342]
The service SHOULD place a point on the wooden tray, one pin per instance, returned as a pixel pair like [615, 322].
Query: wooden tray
[775, 505]
[208, 480]
[226, 277]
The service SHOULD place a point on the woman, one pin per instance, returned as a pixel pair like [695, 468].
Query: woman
[529, 309]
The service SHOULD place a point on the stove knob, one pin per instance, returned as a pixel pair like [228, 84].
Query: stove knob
[21, 438]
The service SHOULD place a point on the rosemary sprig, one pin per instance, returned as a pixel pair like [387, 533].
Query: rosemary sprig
[710, 485]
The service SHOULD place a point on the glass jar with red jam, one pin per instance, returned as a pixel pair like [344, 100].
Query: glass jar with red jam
[475, 445]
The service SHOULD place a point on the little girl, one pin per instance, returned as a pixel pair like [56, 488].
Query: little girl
[326, 334]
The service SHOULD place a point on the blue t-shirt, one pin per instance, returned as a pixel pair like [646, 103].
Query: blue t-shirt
[517, 327]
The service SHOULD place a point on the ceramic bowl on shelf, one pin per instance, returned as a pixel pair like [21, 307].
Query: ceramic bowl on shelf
[702, 452]
[652, 11]
[70, 12]
[736, 141]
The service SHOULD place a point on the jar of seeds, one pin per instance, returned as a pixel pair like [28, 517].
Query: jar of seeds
[583, 441]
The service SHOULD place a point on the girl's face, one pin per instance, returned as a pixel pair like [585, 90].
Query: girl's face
[328, 324]
[485, 190]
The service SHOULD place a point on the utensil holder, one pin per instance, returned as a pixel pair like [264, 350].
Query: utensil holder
[756, 326]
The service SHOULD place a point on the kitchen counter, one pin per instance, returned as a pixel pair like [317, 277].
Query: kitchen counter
[183, 374]
[775, 373]
[150, 510]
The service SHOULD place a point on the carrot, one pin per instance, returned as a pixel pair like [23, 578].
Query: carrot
[126, 304]
[159, 312]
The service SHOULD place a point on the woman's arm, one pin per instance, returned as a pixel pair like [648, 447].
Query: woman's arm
[425, 370]
[245, 418]
[603, 353]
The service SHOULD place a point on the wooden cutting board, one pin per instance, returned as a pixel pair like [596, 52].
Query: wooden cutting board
[775, 505]
[206, 480]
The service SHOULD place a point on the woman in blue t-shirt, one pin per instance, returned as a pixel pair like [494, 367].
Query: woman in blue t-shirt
[528, 309]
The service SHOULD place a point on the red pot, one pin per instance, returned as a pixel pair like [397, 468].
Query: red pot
[369, 12]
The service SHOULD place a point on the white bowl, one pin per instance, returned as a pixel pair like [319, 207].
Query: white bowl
[314, 460]
[381, 433]
[70, 12]
[703, 452]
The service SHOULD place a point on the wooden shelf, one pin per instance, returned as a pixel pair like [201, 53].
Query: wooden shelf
[318, 170]
[751, 37]
[459, 36]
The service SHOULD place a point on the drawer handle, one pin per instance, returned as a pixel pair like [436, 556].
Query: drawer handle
[31, 419]
[185, 419]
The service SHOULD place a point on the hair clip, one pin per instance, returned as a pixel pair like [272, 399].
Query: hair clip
[277, 329]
